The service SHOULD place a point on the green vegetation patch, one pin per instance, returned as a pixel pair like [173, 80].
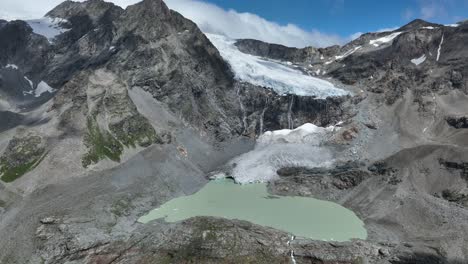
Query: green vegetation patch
[101, 144]
[21, 156]
[135, 130]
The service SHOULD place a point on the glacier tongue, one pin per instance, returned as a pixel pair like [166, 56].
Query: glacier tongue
[300, 147]
[271, 74]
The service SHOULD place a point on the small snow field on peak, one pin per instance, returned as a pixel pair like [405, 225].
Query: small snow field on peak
[11, 66]
[347, 53]
[272, 74]
[43, 87]
[419, 60]
[48, 27]
[386, 39]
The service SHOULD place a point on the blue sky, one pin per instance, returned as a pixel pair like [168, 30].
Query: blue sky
[346, 17]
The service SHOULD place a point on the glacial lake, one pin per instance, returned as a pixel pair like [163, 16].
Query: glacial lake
[301, 216]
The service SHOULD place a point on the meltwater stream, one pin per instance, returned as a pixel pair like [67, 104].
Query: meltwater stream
[301, 216]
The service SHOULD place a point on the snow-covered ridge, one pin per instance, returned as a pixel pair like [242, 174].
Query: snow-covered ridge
[48, 27]
[386, 39]
[281, 78]
[300, 147]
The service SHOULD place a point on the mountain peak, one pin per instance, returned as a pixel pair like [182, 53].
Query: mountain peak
[417, 23]
[95, 9]
[151, 8]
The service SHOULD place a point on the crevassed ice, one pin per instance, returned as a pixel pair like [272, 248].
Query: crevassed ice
[300, 147]
[271, 74]
[47, 27]
[388, 38]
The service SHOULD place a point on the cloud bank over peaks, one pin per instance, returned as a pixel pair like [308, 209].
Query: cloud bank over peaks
[213, 19]
[209, 17]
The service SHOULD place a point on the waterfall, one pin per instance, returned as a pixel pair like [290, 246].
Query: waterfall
[290, 121]
[242, 108]
[293, 259]
[262, 115]
[440, 47]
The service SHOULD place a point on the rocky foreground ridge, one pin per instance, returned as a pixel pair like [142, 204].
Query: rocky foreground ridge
[127, 109]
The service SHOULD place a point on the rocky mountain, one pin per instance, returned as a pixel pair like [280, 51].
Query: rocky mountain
[108, 112]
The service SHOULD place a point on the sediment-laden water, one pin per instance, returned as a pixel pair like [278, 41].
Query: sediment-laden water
[301, 216]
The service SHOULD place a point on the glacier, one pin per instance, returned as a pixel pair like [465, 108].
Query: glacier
[300, 147]
[271, 74]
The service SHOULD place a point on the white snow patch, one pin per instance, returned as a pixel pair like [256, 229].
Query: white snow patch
[307, 133]
[43, 87]
[388, 38]
[452, 25]
[111, 48]
[419, 60]
[321, 57]
[440, 47]
[428, 27]
[47, 27]
[328, 62]
[271, 74]
[347, 53]
[11, 66]
[29, 81]
[300, 147]
[317, 72]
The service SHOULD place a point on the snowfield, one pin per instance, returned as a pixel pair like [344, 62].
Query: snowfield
[419, 60]
[47, 27]
[43, 87]
[271, 74]
[11, 66]
[386, 39]
[347, 53]
[300, 147]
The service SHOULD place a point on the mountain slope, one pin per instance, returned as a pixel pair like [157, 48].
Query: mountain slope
[124, 110]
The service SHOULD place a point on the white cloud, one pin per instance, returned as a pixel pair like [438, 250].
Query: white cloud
[209, 17]
[213, 19]
[407, 14]
[434, 9]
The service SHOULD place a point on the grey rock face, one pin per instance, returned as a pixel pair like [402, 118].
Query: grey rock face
[277, 52]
